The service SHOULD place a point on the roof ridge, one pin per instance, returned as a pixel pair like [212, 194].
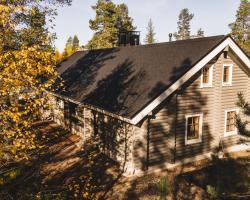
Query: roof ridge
[156, 44]
[186, 40]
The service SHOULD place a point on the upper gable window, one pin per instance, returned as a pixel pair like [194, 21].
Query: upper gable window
[207, 76]
[227, 74]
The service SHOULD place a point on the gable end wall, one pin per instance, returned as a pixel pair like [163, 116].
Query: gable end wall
[193, 99]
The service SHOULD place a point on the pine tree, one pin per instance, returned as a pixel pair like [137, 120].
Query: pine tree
[105, 25]
[245, 107]
[75, 44]
[240, 29]
[72, 45]
[184, 25]
[200, 33]
[69, 46]
[150, 36]
[126, 22]
[68, 50]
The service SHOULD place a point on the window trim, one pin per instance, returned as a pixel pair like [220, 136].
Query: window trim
[230, 75]
[198, 140]
[235, 132]
[61, 104]
[210, 84]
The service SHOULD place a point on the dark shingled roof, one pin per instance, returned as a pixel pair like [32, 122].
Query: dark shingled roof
[124, 80]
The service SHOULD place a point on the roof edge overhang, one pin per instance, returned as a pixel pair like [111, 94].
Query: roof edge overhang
[88, 106]
[227, 41]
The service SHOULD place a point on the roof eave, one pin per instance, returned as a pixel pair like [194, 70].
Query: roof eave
[99, 110]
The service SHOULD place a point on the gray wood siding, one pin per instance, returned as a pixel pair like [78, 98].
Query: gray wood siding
[192, 99]
[113, 136]
[161, 148]
[140, 146]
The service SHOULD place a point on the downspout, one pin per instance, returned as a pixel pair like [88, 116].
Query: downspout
[148, 141]
[175, 123]
[84, 125]
[151, 116]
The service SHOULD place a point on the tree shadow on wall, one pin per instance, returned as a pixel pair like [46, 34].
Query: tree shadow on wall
[114, 138]
[166, 132]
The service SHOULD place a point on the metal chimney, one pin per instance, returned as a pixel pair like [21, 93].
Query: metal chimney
[128, 38]
[170, 35]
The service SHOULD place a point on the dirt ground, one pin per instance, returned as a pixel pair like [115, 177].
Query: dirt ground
[66, 170]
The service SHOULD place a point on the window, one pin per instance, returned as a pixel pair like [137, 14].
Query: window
[207, 76]
[193, 128]
[60, 104]
[205, 73]
[230, 122]
[227, 75]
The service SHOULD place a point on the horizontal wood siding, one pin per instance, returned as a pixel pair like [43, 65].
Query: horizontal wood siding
[192, 99]
[161, 147]
[113, 136]
[140, 146]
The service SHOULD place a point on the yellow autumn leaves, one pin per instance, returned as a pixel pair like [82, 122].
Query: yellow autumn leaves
[27, 70]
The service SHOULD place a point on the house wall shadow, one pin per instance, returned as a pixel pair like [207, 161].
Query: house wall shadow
[164, 131]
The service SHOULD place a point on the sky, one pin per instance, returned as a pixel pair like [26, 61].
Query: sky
[213, 16]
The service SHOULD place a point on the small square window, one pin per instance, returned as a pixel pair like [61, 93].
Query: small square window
[227, 75]
[207, 76]
[193, 128]
[230, 122]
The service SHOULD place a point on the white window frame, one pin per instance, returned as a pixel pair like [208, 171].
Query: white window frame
[235, 132]
[230, 75]
[61, 104]
[210, 84]
[198, 140]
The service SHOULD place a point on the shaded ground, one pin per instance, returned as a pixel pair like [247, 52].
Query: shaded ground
[229, 179]
[64, 170]
[67, 170]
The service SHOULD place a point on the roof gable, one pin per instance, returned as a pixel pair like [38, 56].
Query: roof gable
[228, 41]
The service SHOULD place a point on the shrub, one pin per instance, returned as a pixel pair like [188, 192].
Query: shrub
[162, 187]
[211, 191]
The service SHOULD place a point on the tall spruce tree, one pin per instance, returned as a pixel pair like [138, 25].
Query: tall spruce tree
[200, 33]
[72, 45]
[184, 25]
[150, 36]
[240, 29]
[75, 44]
[68, 50]
[105, 24]
[245, 107]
